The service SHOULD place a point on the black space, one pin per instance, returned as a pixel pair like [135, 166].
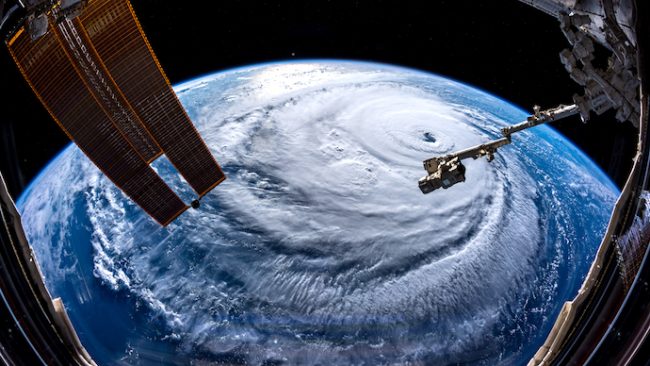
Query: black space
[504, 47]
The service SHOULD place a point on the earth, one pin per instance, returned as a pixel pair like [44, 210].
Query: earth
[319, 248]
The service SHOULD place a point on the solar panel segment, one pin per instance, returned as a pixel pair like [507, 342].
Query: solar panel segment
[57, 81]
[120, 42]
[101, 82]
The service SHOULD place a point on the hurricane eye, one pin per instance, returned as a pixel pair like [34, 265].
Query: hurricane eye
[428, 137]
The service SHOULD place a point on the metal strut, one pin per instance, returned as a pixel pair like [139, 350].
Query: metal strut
[445, 171]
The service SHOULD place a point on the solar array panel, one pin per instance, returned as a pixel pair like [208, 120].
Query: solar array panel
[108, 93]
[55, 77]
[120, 42]
[101, 82]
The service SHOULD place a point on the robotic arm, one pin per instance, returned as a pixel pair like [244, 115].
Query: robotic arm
[446, 171]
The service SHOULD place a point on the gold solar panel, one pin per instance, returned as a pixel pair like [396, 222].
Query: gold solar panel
[102, 85]
[55, 78]
[120, 42]
[99, 79]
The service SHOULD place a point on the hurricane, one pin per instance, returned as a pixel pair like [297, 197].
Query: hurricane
[319, 248]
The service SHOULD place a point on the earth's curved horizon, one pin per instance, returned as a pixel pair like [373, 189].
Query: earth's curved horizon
[320, 248]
